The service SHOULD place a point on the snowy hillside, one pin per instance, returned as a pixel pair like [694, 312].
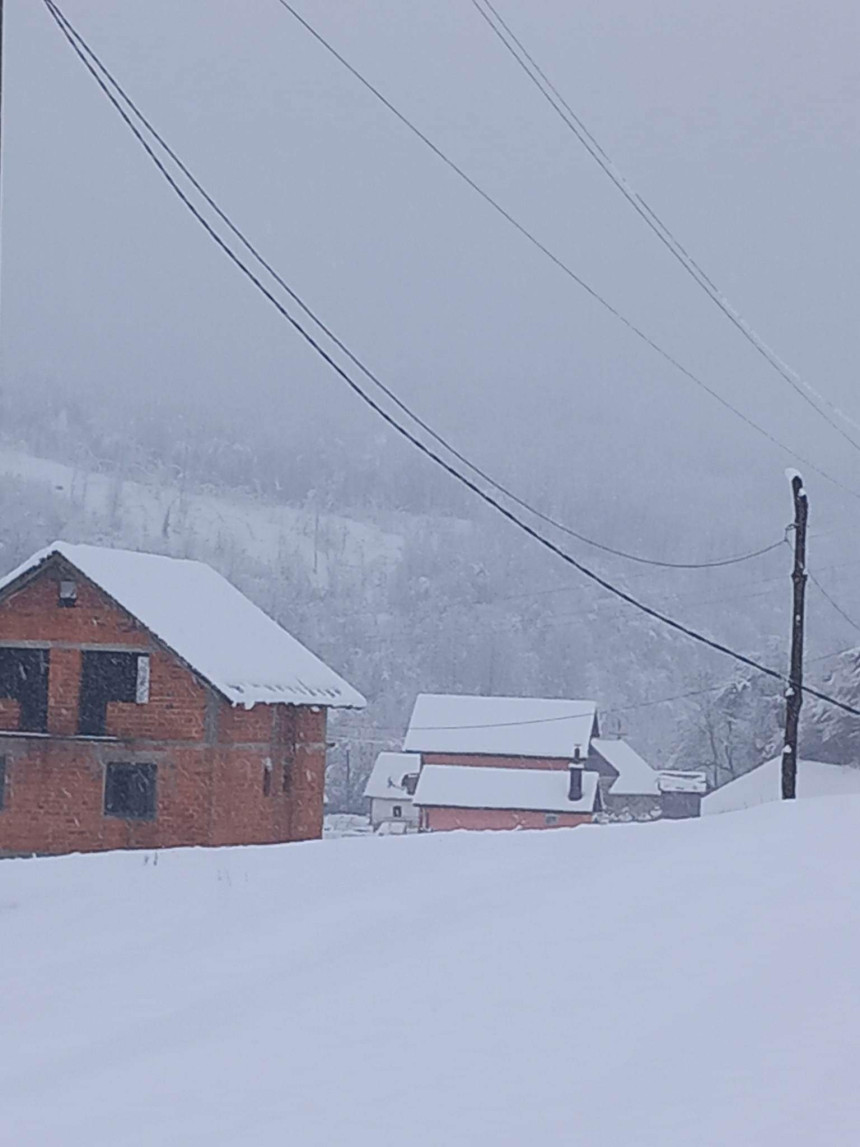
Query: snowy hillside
[155, 514]
[672, 985]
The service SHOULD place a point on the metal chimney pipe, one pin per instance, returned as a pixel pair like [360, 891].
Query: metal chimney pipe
[574, 792]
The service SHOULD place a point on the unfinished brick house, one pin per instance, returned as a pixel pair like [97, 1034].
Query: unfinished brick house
[146, 703]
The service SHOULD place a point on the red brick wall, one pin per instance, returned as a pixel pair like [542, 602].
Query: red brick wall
[494, 762]
[212, 758]
[449, 819]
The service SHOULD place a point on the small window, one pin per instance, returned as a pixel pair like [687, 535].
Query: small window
[2, 783]
[551, 818]
[109, 676]
[24, 678]
[68, 594]
[288, 774]
[267, 779]
[130, 790]
[397, 811]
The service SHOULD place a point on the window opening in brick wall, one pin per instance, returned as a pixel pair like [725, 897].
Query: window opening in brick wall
[551, 818]
[267, 779]
[24, 678]
[2, 783]
[288, 774]
[67, 594]
[130, 790]
[109, 676]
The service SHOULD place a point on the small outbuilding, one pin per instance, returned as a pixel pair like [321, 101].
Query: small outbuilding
[390, 788]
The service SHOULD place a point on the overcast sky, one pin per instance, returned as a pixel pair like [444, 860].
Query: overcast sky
[736, 120]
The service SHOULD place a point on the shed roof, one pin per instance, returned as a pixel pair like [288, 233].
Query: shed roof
[388, 772]
[635, 775]
[814, 779]
[527, 790]
[204, 619]
[500, 726]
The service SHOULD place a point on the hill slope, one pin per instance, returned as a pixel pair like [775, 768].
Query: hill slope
[667, 985]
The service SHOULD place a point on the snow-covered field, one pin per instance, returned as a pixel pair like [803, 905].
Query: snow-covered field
[686, 984]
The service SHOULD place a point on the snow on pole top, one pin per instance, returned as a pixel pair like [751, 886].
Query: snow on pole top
[208, 623]
[792, 475]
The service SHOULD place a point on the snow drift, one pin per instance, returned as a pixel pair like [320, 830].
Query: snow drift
[687, 984]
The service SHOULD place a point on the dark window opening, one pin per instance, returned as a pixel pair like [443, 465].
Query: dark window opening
[397, 812]
[24, 678]
[550, 819]
[2, 783]
[288, 775]
[107, 676]
[130, 791]
[267, 779]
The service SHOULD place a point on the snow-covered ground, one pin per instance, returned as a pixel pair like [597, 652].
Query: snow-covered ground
[687, 984]
[269, 533]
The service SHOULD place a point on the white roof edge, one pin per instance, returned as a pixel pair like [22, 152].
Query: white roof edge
[229, 667]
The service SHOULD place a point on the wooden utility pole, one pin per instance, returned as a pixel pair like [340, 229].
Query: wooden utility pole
[794, 692]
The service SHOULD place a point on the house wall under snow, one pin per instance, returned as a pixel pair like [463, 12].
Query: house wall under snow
[477, 819]
[402, 810]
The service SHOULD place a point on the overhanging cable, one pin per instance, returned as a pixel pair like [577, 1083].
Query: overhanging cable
[73, 38]
[249, 246]
[557, 260]
[553, 96]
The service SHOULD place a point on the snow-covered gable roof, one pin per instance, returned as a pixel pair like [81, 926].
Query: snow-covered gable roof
[635, 775]
[527, 790]
[814, 779]
[499, 726]
[213, 627]
[388, 772]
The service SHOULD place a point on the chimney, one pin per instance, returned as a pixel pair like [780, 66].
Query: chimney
[574, 792]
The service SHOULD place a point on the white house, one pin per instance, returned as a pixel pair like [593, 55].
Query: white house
[390, 787]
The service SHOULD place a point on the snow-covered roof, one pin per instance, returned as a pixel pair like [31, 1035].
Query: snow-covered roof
[814, 779]
[635, 775]
[499, 726]
[213, 627]
[473, 786]
[388, 772]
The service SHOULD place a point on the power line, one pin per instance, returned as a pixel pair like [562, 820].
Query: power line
[553, 96]
[240, 235]
[83, 52]
[559, 262]
[835, 604]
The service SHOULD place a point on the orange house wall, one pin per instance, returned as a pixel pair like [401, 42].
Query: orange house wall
[450, 819]
[489, 762]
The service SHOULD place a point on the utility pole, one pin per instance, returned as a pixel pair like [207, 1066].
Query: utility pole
[794, 692]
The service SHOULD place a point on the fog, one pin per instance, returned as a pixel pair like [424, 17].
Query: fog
[738, 122]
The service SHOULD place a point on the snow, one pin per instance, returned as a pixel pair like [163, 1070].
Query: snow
[317, 542]
[388, 771]
[635, 775]
[468, 786]
[499, 726]
[763, 784]
[676, 984]
[213, 627]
